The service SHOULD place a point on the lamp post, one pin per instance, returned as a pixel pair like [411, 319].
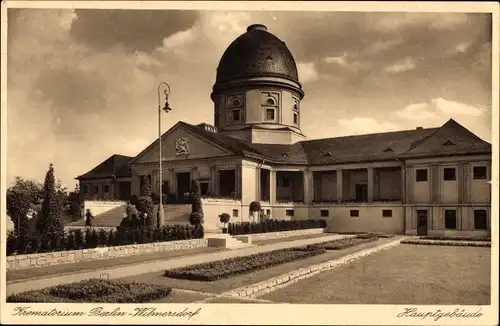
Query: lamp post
[166, 108]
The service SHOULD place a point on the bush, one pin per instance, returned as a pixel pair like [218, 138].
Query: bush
[342, 243]
[92, 238]
[274, 226]
[96, 290]
[255, 206]
[224, 218]
[459, 243]
[442, 237]
[240, 265]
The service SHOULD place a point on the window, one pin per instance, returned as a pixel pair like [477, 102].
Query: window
[235, 213]
[284, 182]
[95, 189]
[479, 172]
[236, 103]
[480, 219]
[106, 189]
[268, 212]
[85, 189]
[354, 213]
[387, 212]
[421, 175]
[270, 114]
[270, 101]
[449, 174]
[450, 219]
[295, 118]
[290, 212]
[325, 213]
[235, 115]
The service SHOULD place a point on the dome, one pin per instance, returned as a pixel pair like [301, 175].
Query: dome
[257, 53]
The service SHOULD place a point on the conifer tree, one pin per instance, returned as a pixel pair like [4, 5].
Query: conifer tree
[50, 223]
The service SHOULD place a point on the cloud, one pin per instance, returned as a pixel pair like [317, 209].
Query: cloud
[364, 125]
[405, 65]
[307, 72]
[452, 107]
[417, 111]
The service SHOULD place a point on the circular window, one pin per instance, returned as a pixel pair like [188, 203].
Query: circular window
[236, 103]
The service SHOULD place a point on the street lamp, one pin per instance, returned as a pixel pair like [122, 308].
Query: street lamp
[166, 108]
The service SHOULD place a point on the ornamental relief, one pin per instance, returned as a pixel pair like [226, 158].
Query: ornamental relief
[182, 146]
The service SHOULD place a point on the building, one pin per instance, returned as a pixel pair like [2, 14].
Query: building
[419, 181]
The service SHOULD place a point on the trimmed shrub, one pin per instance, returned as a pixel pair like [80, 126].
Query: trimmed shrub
[442, 237]
[96, 290]
[240, 265]
[274, 226]
[459, 243]
[255, 206]
[342, 243]
[92, 238]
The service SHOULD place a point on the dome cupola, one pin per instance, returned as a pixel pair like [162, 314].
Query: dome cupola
[257, 92]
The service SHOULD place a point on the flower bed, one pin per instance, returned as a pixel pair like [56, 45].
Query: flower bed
[95, 290]
[442, 237]
[93, 238]
[374, 235]
[460, 243]
[343, 243]
[241, 265]
[274, 226]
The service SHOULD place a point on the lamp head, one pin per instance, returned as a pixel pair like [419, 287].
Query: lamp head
[166, 107]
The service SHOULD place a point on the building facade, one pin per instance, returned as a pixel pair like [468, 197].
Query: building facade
[421, 181]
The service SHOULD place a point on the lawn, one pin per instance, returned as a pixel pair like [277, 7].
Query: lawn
[405, 274]
[224, 285]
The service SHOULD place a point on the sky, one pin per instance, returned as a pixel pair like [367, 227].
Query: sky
[82, 83]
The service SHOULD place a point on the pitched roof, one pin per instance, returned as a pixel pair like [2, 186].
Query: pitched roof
[115, 165]
[352, 149]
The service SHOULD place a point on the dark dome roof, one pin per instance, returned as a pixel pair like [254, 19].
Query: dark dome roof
[257, 52]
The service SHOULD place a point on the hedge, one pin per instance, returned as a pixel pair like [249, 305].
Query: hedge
[96, 291]
[343, 243]
[460, 243]
[226, 268]
[92, 238]
[274, 226]
[442, 237]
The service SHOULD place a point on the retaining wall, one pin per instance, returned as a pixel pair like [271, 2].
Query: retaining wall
[75, 256]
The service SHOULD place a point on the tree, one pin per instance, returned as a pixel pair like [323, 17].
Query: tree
[146, 188]
[50, 223]
[22, 197]
[74, 202]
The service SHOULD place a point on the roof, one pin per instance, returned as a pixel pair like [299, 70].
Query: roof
[257, 52]
[115, 166]
[359, 148]
[447, 140]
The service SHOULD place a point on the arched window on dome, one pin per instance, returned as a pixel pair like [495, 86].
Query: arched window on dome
[270, 101]
[296, 111]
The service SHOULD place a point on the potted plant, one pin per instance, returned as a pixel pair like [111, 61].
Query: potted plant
[224, 219]
[254, 210]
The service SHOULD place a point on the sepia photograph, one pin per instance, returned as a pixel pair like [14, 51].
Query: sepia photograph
[162, 161]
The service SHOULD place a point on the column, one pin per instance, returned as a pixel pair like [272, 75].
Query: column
[403, 184]
[213, 180]
[409, 184]
[463, 183]
[237, 179]
[340, 182]
[217, 182]
[435, 181]
[258, 191]
[171, 181]
[308, 187]
[370, 184]
[272, 186]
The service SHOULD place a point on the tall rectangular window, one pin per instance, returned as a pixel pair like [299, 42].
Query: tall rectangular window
[449, 174]
[85, 189]
[450, 219]
[235, 115]
[421, 175]
[270, 114]
[295, 118]
[480, 172]
[480, 219]
[106, 189]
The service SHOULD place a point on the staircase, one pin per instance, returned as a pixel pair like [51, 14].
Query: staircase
[174, 214]
[226, 241]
